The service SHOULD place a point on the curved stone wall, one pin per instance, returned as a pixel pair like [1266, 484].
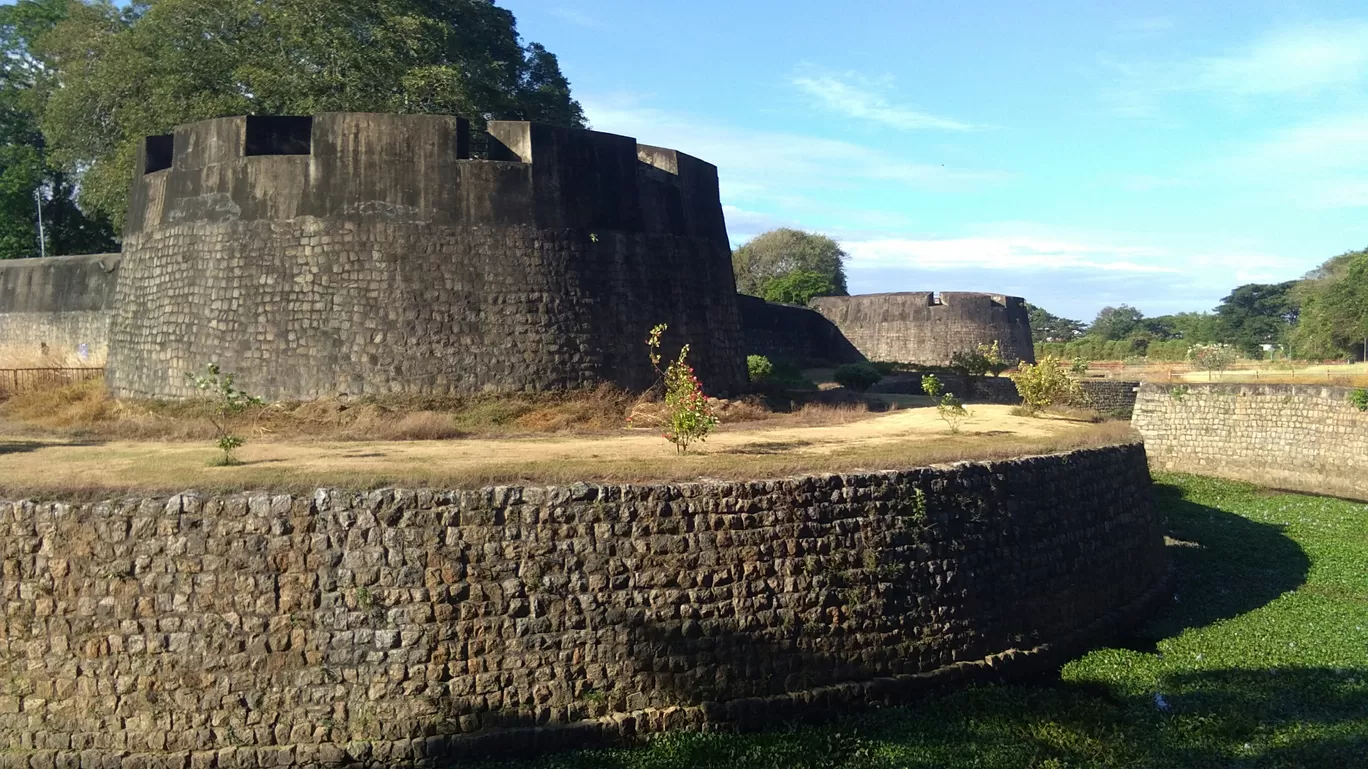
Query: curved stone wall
[785, 332]
[1297, 437]
[56, 308]
[360, 254]
[928, 328]
[398, 626]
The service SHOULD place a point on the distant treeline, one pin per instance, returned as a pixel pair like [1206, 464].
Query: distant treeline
[1322, 316]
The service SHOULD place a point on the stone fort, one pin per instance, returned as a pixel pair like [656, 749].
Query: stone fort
[359, 254]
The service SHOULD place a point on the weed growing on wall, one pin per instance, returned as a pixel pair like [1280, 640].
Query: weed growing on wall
[1178, 392]
[950, 408]
[689, 416]
[224, 404]
[1045, 384]
[1358, 398]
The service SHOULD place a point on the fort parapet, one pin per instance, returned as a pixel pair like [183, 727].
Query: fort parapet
[56, 309]
[928, 328]
[369, 253]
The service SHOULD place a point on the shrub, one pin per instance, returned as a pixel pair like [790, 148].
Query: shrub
[1212, 357]
[857, 376]
[885, 367]
[950, 408]
[1047, 383]
[224, 403]
[689, 415]
[986, 359]
[758, 367]
[1358, 398]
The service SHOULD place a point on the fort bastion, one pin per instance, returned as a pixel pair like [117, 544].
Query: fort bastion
[369, 253]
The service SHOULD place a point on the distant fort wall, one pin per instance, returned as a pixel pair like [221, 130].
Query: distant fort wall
[792, 333]
[56, 310]
[928, 328]
[368, 253]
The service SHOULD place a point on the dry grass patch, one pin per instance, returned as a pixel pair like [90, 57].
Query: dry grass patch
[901, 439]
[86, 411]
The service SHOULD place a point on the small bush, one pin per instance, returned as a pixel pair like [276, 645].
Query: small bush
[1359, 399]
[885, 367]
[1212, 357]
[857, 376]
[950, 408]
[689, 414]
[758, 367]
[223, 404]
[1047, 383]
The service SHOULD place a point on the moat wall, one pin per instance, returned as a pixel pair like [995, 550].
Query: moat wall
[928, 328]
[362, 254]
[1297, 437]
[56, 309]
[395, 626]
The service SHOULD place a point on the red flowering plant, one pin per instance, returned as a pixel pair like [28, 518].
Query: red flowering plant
[689, 415]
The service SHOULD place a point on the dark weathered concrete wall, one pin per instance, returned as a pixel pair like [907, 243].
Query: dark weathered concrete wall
[395, 626]
[1298, 437]
[791, 333]
[912, 328]
[51, 307]
[384, 261]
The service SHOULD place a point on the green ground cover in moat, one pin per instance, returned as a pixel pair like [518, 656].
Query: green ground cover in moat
[1260, 661]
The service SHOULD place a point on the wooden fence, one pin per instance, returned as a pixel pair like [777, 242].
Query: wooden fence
[18, 380]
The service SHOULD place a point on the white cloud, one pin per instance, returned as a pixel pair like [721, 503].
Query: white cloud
[577, 17]
[1296, 62]
[1010, 252]
[1318, 164]
[857, 97]
[788, 169]
[1292, 60]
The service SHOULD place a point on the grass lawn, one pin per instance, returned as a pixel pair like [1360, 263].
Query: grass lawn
[1260, 661]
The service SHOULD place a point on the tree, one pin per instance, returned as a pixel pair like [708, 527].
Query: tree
[27, 177]
[1047, 327]
[126, 74]
[1213, 357]
[1256, 314]
[1116, 322]
[797, 287]
[1333, 301]
[783, 252]
[1047, 383]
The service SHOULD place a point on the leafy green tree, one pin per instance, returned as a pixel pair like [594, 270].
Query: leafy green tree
[797, 287]
[1334, 307]
[1331, 319]
[27, 174]
[783, 252]
[126, 74]
[1116, 322]
[1256, 314]
[1048, 327]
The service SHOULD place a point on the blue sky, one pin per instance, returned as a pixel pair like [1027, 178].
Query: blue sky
[1077, 154]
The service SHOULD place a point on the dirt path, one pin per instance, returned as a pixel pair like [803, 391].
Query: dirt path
[40, 464]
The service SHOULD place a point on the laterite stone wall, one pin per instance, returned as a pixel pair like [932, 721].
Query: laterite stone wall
[927, 328]
[1297, 437]
[364, 254]
[415, 626]
[56, 310]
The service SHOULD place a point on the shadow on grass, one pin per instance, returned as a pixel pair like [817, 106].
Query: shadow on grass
[25, 447]
[1226, 565]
